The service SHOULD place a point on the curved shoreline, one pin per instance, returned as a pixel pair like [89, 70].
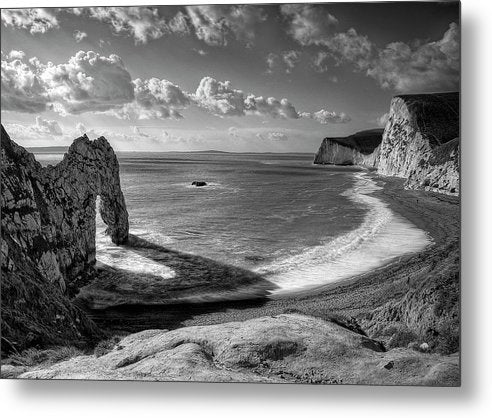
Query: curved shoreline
[438, 215]
[383, 237]
[355, 296]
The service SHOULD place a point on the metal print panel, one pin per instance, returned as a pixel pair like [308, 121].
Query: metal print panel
[232, 193]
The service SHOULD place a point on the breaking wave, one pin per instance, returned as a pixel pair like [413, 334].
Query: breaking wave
[382, 237]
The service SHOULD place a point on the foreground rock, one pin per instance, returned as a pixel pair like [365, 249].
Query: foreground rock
[420, 143]
[48, 238]
[358, 149]
[288, 348]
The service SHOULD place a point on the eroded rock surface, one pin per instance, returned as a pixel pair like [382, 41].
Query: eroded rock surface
[420, 142]
[289, 348]
[48, 236]
[361, 148]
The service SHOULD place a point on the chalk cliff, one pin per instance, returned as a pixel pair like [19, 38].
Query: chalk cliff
[48, 236]
[421, 142]
[362, 148]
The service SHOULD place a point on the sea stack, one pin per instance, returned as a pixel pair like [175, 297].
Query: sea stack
[48, 236]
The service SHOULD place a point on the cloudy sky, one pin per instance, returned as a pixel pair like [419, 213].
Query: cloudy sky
[234, 78]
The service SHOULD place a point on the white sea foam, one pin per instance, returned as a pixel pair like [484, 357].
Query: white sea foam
[382, 237]
[124, 258]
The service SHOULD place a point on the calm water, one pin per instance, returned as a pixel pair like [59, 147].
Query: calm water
[298, 224]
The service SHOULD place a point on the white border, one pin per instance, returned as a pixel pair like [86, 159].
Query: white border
[88, 399]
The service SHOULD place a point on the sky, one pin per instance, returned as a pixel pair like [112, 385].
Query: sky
[240, 78]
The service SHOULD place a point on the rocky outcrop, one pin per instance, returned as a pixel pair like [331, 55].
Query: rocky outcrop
[288, 348]
[421, 142]
[48, 236]
[361, 148]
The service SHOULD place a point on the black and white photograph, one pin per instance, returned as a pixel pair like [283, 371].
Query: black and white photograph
[233, 193]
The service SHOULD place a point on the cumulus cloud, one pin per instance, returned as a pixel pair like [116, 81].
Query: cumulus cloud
[342, 47]
[323, 62]
[324, 116]
[42, 129]
[426, 67]
[272, 136]
[416, 67]
[24, 133]
[143, 23]
[309, 24]
[220, 98]
[277, 136]
[16, 55]
[81, 128]
[283, 62]
[79, 35]
[179, 24]
[22, 89]
[48, 126]
[154, 99]
[313, 25]
[87, 82]
[34, 20]
[215, 24]
[90, 82]
[350, 47]
[271, 107]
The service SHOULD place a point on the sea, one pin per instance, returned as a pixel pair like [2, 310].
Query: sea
[299, 225]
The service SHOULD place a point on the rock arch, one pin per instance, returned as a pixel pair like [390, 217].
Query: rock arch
[49, 212]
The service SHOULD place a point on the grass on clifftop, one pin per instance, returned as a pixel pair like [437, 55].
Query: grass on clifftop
[36, 357]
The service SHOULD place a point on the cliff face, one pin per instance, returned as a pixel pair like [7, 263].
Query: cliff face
[361, 148]
[420, 142]
[48, 233]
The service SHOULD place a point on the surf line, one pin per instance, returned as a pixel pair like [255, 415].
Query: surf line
[382, 237]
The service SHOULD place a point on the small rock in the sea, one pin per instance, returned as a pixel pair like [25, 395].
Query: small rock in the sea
[199, 183]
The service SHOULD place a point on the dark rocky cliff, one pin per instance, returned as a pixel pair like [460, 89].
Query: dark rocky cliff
[48, 237]
[358, 149]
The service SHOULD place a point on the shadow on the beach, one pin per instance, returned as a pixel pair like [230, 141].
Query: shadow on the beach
[120, 300]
